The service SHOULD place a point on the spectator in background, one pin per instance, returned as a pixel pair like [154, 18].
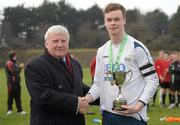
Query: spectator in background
[175, 81]
[13, 83]
[165, 77]
[158, 62]
[158, 66]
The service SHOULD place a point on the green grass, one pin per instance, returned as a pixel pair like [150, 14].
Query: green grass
[155, 113]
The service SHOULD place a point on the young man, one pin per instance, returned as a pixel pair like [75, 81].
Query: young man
[165, 77]
[123, 53]
[54, 82]
[158, 66]
[13, 83]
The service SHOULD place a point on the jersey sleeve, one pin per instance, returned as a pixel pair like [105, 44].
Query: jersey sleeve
[95, 89]
[146, 67]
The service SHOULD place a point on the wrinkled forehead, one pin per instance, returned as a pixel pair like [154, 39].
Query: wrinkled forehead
[56, 36]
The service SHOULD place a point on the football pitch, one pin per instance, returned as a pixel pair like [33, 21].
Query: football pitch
[154, 113]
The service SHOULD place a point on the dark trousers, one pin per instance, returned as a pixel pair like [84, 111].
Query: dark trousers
[114, 119]
[14, 92]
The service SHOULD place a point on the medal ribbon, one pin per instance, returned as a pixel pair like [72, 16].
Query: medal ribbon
[120, 52]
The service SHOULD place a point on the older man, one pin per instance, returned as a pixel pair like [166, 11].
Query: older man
[54, 82]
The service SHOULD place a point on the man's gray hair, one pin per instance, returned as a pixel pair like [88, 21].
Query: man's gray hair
[56, 29]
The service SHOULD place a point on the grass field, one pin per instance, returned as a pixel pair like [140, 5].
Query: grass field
[154, 113]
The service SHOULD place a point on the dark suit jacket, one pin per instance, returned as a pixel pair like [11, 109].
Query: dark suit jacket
[54, 92]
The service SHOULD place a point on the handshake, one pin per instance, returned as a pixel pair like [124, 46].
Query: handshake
[83, 103]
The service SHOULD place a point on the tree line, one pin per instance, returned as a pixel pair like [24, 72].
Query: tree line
[24, 27]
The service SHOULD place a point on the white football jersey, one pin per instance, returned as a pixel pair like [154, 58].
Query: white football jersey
[141, 79]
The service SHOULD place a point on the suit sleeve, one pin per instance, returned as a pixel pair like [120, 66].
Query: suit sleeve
[44, 96]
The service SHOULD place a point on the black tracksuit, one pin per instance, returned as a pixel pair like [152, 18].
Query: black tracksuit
[175, 73]
[13, 84]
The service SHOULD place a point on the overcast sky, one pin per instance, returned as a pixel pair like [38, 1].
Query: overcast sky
[167, 6]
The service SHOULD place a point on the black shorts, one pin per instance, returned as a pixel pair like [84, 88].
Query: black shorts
[165, 85]
[175, 86]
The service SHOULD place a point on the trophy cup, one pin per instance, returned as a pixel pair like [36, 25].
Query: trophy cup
[119, 79]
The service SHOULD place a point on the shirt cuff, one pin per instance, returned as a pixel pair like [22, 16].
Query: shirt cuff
[77, 107]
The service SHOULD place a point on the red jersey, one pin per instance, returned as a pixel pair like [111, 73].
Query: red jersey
[165, 71]
[92, 67]
[158, 67]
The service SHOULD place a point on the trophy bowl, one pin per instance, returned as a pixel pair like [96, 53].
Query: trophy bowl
[119, 79]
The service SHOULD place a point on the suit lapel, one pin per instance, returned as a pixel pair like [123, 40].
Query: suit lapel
[77, 86]
[63, 69]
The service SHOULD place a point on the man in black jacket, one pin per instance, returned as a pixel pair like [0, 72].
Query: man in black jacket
[54, 82]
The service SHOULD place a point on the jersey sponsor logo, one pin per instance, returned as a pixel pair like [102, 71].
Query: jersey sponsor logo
[121, 67]
[108, 76]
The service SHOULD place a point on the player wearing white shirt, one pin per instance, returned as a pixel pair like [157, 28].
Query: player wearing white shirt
[123, 53]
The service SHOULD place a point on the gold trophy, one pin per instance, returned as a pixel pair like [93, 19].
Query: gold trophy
[119, 80]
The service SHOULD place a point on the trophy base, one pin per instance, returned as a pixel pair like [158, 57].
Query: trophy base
[117, 104]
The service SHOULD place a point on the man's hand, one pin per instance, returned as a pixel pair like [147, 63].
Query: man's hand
[82, 105]
[88, 98]
[131, 109]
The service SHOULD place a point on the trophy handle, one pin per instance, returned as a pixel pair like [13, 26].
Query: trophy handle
[130, 75]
